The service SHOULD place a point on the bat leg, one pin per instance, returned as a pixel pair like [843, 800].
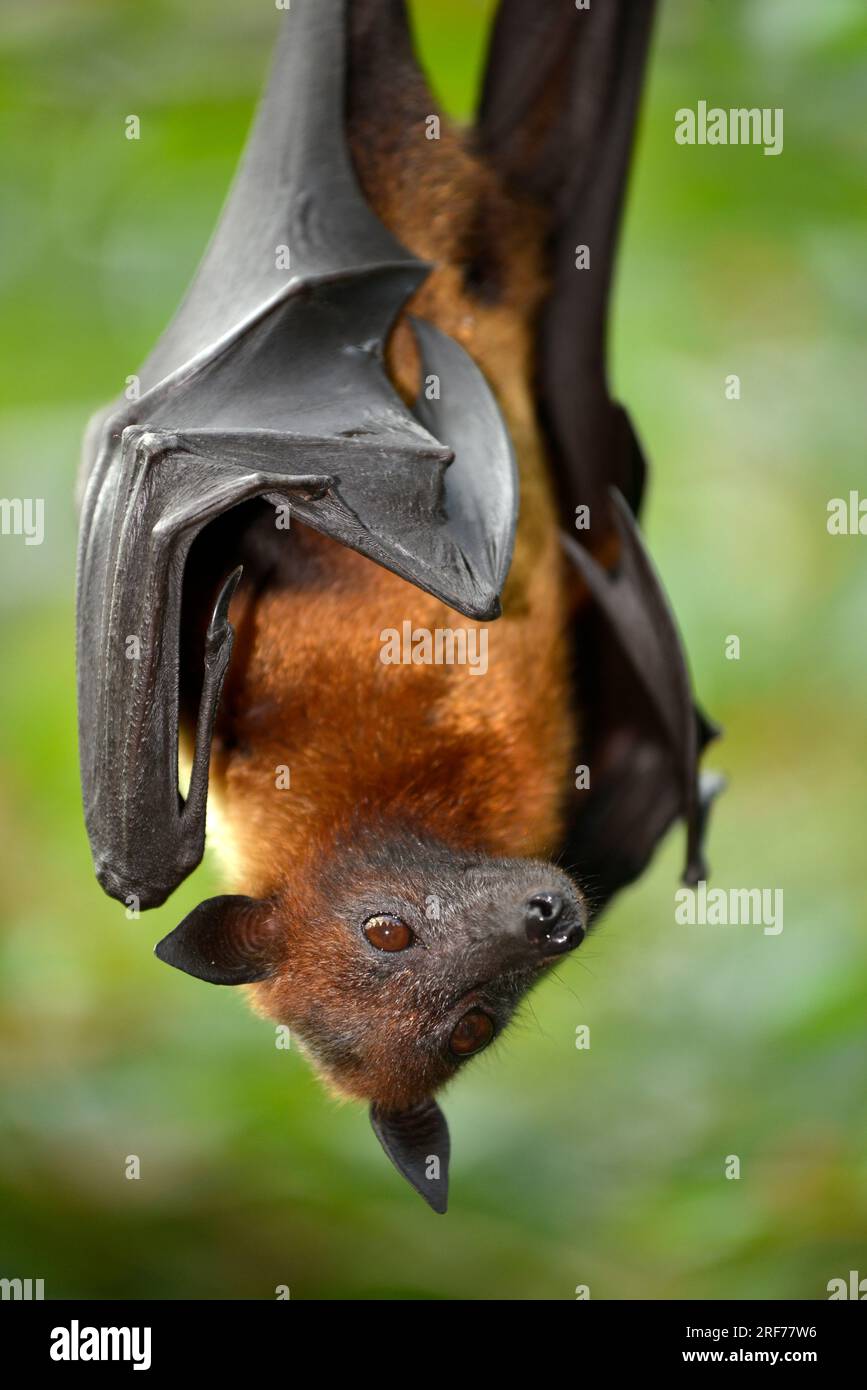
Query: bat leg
[218, 651]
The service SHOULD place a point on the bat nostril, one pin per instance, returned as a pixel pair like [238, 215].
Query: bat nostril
[542, 912]
[550, 926]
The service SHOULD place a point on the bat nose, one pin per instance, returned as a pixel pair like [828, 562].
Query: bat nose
[553, 924]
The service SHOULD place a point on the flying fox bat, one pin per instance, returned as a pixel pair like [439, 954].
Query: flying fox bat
[389, 340]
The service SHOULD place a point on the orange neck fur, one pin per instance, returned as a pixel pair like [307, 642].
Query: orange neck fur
[477, 760]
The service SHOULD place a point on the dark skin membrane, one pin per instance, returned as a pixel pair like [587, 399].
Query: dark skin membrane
[391, 1026]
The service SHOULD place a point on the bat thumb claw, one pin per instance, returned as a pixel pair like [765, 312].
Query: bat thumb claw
[219, 624]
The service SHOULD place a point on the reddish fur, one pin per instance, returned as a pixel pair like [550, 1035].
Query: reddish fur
[478, 761]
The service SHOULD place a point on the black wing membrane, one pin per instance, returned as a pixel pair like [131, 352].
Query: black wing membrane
[557, 118]
[269, 382]
[642, 736]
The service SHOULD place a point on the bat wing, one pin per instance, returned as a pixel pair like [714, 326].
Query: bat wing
[557, 118]
[269, 382]
[585, 68]
[642, 736]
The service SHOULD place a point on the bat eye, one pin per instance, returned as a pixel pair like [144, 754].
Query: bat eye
[387, 933]
[474, 1032]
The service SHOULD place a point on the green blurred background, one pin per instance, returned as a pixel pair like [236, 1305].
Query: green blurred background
[602, 1167]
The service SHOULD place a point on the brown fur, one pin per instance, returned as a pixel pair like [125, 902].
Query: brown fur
[476, 762]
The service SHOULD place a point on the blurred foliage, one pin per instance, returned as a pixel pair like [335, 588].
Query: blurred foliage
[604, 1166]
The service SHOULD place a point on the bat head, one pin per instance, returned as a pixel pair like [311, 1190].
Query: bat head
[394, 960]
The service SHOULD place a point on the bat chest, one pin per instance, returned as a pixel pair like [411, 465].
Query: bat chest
[352, 696]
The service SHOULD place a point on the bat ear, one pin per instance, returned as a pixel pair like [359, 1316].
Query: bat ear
[417, 1142]
[225, 941]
